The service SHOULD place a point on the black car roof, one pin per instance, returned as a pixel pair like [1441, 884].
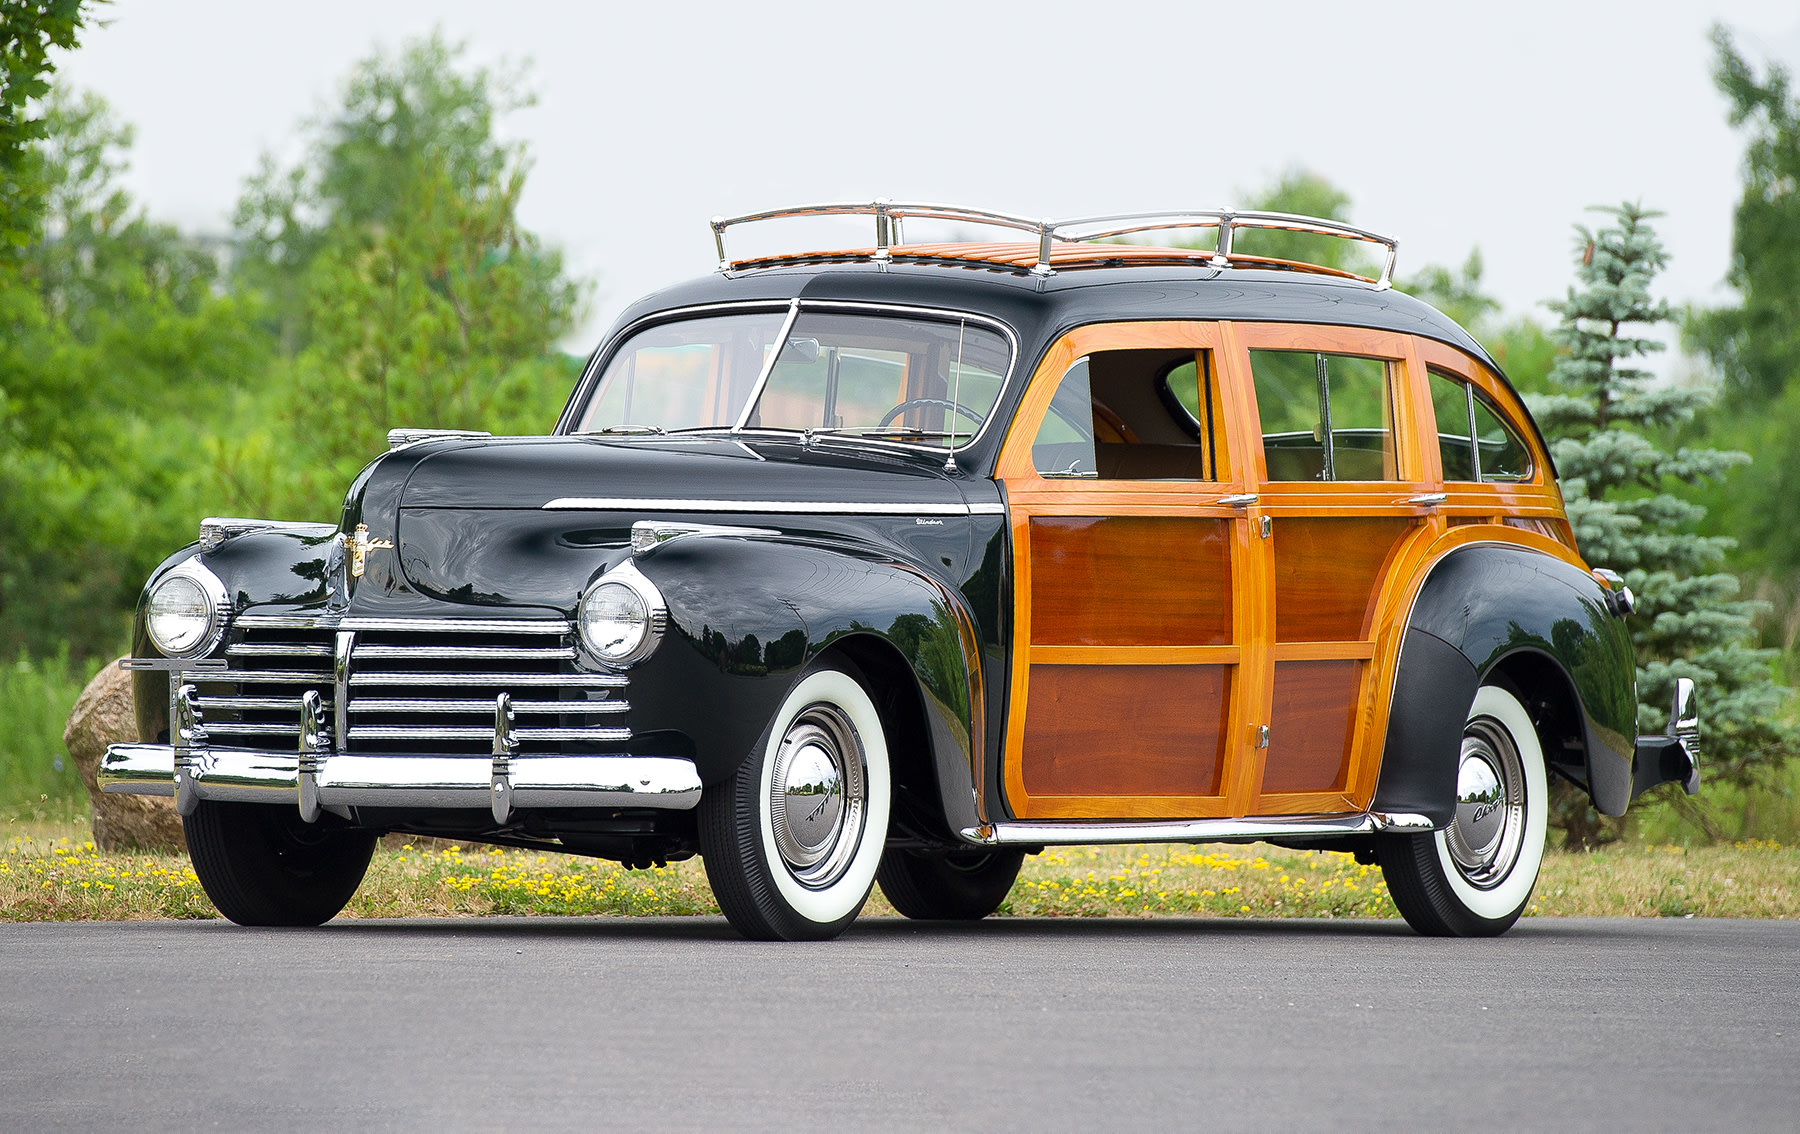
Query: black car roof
[1041, 308]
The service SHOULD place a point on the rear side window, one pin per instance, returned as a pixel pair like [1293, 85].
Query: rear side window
[1324, 416]
[1474, 440]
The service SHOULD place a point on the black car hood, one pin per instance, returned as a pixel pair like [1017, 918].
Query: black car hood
[529, 473]
[472, 526]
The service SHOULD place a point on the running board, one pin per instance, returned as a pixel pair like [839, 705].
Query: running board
[1078, 833]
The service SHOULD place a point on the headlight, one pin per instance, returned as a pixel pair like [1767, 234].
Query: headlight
[186, 612]
[621, 616]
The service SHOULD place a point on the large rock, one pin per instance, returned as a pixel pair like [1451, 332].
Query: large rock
[104, 716]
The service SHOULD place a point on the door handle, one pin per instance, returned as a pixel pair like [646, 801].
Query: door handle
[1240, 500]
[1427, 500]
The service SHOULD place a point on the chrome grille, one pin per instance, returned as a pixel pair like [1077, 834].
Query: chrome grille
[424, 686]
[255, 703]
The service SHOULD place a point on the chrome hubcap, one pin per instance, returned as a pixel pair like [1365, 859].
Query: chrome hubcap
[817, 795]
[1485, 836]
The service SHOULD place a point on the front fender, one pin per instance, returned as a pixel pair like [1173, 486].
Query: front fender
[294, 566]
[1487, 609]
[746, 615]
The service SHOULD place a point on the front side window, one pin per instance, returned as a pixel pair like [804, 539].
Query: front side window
[1324, 416]
[1131, 415]
[922, 380]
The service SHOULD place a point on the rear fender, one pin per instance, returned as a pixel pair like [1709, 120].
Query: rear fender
[1501, 612]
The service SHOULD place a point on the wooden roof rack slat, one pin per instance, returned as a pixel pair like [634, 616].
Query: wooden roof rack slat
[890, 217]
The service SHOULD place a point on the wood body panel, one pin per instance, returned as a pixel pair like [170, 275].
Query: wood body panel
[1328, 570]
[1130, 581]
[1155, 730]
[1334, 548]
[1309, 746]
[1299, 648]
[1129, 616]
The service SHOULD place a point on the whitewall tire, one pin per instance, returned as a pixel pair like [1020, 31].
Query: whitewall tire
[1475, 877]
[792, 841]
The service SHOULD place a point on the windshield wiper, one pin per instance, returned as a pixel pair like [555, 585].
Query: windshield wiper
[626, 429]
[902, 432]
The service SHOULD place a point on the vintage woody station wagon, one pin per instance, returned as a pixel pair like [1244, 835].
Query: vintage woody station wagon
[899, 563]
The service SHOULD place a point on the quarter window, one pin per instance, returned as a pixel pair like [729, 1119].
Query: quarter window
[1324, 416]
[1474, 441]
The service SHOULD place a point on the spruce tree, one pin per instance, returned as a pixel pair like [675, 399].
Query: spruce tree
[1609, 424]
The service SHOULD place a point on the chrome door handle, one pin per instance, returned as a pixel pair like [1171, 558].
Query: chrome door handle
[1428, 499]
[1240, 500]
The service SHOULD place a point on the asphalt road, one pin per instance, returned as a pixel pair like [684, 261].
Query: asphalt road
[1005, 1025]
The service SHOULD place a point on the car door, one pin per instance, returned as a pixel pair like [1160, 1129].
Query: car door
[1137, 593]
[1339, 471]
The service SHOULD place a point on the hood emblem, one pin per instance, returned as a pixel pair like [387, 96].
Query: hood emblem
[360, 546]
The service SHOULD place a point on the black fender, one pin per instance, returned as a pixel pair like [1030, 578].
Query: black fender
[746, 615]
[293, 567]
[1546, 627]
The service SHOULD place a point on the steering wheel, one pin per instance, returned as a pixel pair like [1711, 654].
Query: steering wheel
[942, 403]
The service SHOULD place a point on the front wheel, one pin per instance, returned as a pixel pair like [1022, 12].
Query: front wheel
[959, 886]
[792, 840]
[1473, 878]
[261, 864]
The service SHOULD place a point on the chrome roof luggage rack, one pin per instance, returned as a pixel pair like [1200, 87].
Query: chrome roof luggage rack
[890, 217]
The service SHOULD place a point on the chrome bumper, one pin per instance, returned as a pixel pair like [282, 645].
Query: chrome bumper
[1674, 757]
[350, 780]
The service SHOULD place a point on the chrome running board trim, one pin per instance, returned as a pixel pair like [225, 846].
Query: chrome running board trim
[1078, 833]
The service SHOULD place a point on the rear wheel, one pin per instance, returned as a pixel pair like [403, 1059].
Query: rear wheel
[1473, 878]
[960, 886]
[792, 840]
[261, 864]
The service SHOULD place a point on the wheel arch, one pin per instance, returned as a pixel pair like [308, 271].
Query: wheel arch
[1536, 622]
[909, 633]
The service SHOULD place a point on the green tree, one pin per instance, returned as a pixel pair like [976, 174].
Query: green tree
[113, 328]
[1756, 343]
[1521, 346]
[1307, 194]
[1610, 423]
[400, 280]
[28, 30]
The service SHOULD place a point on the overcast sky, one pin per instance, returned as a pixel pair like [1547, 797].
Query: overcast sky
[1450, 127]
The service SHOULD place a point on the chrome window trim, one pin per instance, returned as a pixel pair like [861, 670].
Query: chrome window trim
[768, 367]
[584, 388]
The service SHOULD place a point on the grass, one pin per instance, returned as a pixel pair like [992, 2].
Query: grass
[35, 698]
[49, 871]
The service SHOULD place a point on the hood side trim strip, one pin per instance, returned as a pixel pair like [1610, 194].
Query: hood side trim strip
[799, 507]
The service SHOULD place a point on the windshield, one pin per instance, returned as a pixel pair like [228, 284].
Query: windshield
[900, 378]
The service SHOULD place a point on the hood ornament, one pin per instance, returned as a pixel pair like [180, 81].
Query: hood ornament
[360, 546]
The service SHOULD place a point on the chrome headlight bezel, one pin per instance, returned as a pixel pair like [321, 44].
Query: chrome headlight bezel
[215, 598]
[644, 592]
